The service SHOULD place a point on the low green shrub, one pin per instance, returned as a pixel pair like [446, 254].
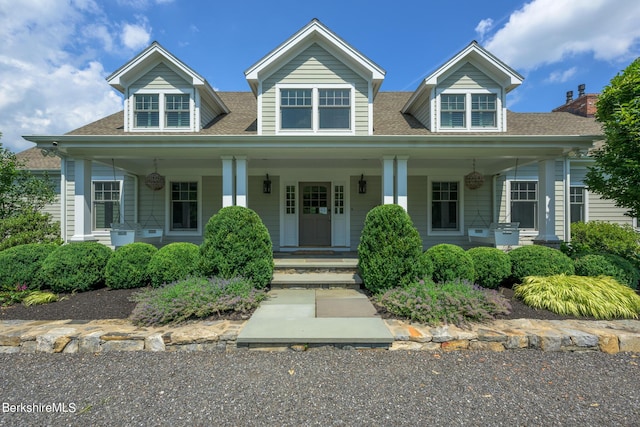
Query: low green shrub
[76, 267]
[457, 302]
[536, 260]
[599, 297]
[13, 296]
[237, 244]
[127, 268]
[195, 297]
[595, 265]
[630, 274]
[605, 237]
[492, 266]
[450, 262]
[22, 265]
[29, 227]
[173, 262]
[390, 250]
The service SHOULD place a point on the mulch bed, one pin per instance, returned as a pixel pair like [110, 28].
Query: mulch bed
[105, 303]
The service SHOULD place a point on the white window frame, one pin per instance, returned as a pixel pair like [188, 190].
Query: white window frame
[523, 231]
[315, 115]
[168, 226]
[467, 110]
[162, 125]
[93, 203]
[585, 202]
[437, 232]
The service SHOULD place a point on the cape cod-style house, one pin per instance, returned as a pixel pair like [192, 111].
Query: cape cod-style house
[315, 144]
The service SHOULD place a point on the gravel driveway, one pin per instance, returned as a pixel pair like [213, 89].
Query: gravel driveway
[323, 387]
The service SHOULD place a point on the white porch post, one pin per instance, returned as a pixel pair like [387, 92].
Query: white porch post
[242, 190]
[82, 199]
[227, 181]
[387, 180]
[402, 197]
[546, 203]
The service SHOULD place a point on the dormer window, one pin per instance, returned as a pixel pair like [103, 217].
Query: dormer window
[483, 110]
[468, 111]
[176, 111]
[452, 111]
[162, 111]
[316, 109]
[147, 111]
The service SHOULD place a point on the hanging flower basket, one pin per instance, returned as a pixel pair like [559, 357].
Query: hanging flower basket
[154, 181]
[474, 180]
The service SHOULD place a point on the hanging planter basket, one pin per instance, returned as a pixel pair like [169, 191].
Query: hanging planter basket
[473, 180]
[154, 181]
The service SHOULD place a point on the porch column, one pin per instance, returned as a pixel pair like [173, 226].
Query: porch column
[227, 181]
[547, 204]
[402, 197]
[242, 190]
[82, 200]
[387, 180]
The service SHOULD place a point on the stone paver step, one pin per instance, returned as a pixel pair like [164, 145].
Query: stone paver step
[314, 279]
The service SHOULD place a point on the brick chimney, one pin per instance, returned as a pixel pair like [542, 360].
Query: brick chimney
[584, 105]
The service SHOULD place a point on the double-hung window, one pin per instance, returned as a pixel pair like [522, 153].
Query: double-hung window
[577, 202]
[176, 111]
[452, 111]
[106, 204]
[524, 203]
[483, 110]
[445, 206]
[183, 206]
[469, 111]
[147, 111]
[315, 109]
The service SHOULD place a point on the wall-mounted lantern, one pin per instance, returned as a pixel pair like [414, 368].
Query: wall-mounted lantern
[266, 185]
[362, 185]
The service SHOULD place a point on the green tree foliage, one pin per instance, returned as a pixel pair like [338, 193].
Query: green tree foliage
[616, 173]
[22, 197]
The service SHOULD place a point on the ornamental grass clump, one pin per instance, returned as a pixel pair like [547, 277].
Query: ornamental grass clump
[195, 298]
[457, 302]
[599, 297]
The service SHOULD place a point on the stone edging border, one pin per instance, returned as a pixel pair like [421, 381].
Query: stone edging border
[72, 336]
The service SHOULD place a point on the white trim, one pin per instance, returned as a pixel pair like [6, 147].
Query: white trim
[315, 127]
[167, 198]
[500, 111]
[369, 108]
[260, 112]
[193, 124]
[461, 229]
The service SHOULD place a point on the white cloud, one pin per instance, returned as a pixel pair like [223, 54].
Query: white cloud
[483, 27]
[548, 31]
[51, 77]
[562, 76]
[135, 37]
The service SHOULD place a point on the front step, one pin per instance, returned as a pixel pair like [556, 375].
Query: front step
[316, 272]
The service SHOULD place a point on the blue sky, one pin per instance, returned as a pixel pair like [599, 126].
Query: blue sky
[55, 54]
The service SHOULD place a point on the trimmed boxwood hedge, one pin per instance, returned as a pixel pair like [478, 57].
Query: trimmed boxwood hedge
[536, 260]
[450, 262]
[76, 267]
[390, 250]
[237, 244]
[173, 262]
[22, 265]
[127, 268]
[492, 266]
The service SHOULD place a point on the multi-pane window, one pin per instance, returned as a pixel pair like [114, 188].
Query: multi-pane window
[452, 111]
[338, 197]
[315, 199]
[290, 192]
[184, 206]
[176, 111]
[524, 203]
[106, 204]
[147, 111]
[445, 198]
[576, 200]
[334, 108]
[483, 110]
[295, 108]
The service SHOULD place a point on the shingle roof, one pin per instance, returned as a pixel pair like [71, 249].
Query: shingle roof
[387, 120]
[34, 160]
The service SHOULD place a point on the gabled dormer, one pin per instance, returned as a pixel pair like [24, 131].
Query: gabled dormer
[466, 94]
[162, 94]
[315, 84]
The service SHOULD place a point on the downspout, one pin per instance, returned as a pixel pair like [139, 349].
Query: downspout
[63, 198]
[567, 202]
[494, 198]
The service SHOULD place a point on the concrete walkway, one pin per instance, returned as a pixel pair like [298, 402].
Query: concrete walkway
[318, 317]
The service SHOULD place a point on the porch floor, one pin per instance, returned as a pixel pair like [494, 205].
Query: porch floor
[316, 317]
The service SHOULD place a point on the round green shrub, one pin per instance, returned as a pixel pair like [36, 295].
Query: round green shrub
[127, 268]
[173, 262]
[492, 266]
[76, 267]
[22, 265]
[237, 244]
[536, 260]
[605, 237]
[450, 262]
[629, 273]
[594, 265]
[390, 250]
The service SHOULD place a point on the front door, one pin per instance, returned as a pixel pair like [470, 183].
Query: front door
[315, 215]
